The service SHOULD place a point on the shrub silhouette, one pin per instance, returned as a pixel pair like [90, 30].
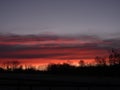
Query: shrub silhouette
[60, 68]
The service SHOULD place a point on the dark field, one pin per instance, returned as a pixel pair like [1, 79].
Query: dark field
[14, 81]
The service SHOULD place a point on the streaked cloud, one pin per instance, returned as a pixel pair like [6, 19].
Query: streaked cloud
[55, 47]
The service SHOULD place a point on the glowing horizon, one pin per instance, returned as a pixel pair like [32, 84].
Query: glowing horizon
[51, 49]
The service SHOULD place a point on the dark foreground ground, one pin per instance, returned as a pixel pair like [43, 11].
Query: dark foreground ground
[14, 81]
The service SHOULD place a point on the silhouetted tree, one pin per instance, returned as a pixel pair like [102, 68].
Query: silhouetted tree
[114, 57]
[11, 65]
[81, 63]
[101, 61]
[30, 68]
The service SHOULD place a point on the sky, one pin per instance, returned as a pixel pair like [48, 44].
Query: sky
[58, 30]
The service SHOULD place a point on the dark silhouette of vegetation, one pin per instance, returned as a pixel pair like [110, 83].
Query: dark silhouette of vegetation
[11, 65]
[104, 66]
[114, 57]
[60, 68]
[81, 63]
[100, 61]
[109, 66]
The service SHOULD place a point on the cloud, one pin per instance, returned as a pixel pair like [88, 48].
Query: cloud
[46, 39]
[55, 46]
[30, 56]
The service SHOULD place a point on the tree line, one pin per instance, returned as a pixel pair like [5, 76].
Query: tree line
[104, 66]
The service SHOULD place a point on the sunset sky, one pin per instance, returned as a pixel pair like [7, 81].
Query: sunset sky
[39, 32]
